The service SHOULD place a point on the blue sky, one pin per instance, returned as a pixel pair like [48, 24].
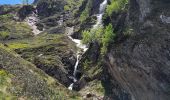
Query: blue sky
[13, 1]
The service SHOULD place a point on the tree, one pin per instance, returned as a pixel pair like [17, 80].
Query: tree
[108, 38]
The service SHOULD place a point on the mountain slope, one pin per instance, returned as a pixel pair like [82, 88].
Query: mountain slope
[137, 66]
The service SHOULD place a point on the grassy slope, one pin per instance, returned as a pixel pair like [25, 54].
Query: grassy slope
[10, 29]
[21, 79]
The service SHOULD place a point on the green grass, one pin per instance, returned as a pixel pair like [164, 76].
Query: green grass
[92, 35]
[4, 34]
[25, 80]
[5, 84]
[18, 45]
[10, 29]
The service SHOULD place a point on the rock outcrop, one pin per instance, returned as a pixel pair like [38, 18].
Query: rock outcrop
[138, 68]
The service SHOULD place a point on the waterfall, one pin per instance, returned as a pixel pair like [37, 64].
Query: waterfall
[77, 62]
[78, 42]
[69, 31]
[100, 15]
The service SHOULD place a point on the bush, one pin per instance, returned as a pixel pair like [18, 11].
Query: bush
[66, 8]
[115, 6]
[107, 38]
[4, 34]
[92, 35]
[84, 15]
[87, 38]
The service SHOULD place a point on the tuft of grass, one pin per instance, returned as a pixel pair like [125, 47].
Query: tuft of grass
[5, 83]
[4, 34]
[18, 45]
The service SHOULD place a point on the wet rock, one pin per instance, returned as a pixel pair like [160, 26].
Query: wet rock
[88, 95]
[48, 8]
[80, 83]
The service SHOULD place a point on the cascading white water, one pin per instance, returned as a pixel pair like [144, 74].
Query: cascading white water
[78, 42]
[100, 15]
[77, 62]
[79, 45]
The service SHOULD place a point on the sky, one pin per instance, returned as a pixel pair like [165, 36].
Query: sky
[12, 2]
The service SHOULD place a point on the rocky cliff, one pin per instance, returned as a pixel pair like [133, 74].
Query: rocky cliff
[138, 67]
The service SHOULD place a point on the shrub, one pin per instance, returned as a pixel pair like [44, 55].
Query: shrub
[87, 38]
[115, 6]
[84, 15]
[66, 8]
[4, 34]
[107, 38]
[92, 35]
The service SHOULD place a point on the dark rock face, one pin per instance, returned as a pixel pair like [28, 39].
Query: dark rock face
[138, 68]
[25, 11]
[48, 8]
[95, 6]
[56, 63]
[56, 30]
[93, 52]
[48, 22]
[87, 24]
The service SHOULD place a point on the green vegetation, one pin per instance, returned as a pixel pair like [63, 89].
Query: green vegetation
[87, 37]
[25, 81]
[107, 38]
[5, 83]
[84, 15]
[94, 87]
[92, 35]
[92, 70]
[4, 34]
[6, 17]
[128, 32]
[72, 5]
[116, 6]
[10, 29]
[104, 36]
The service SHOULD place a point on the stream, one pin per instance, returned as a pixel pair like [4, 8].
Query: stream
[70, 30]
[33, 19]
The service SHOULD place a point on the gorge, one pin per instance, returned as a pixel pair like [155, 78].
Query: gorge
[85, 50]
